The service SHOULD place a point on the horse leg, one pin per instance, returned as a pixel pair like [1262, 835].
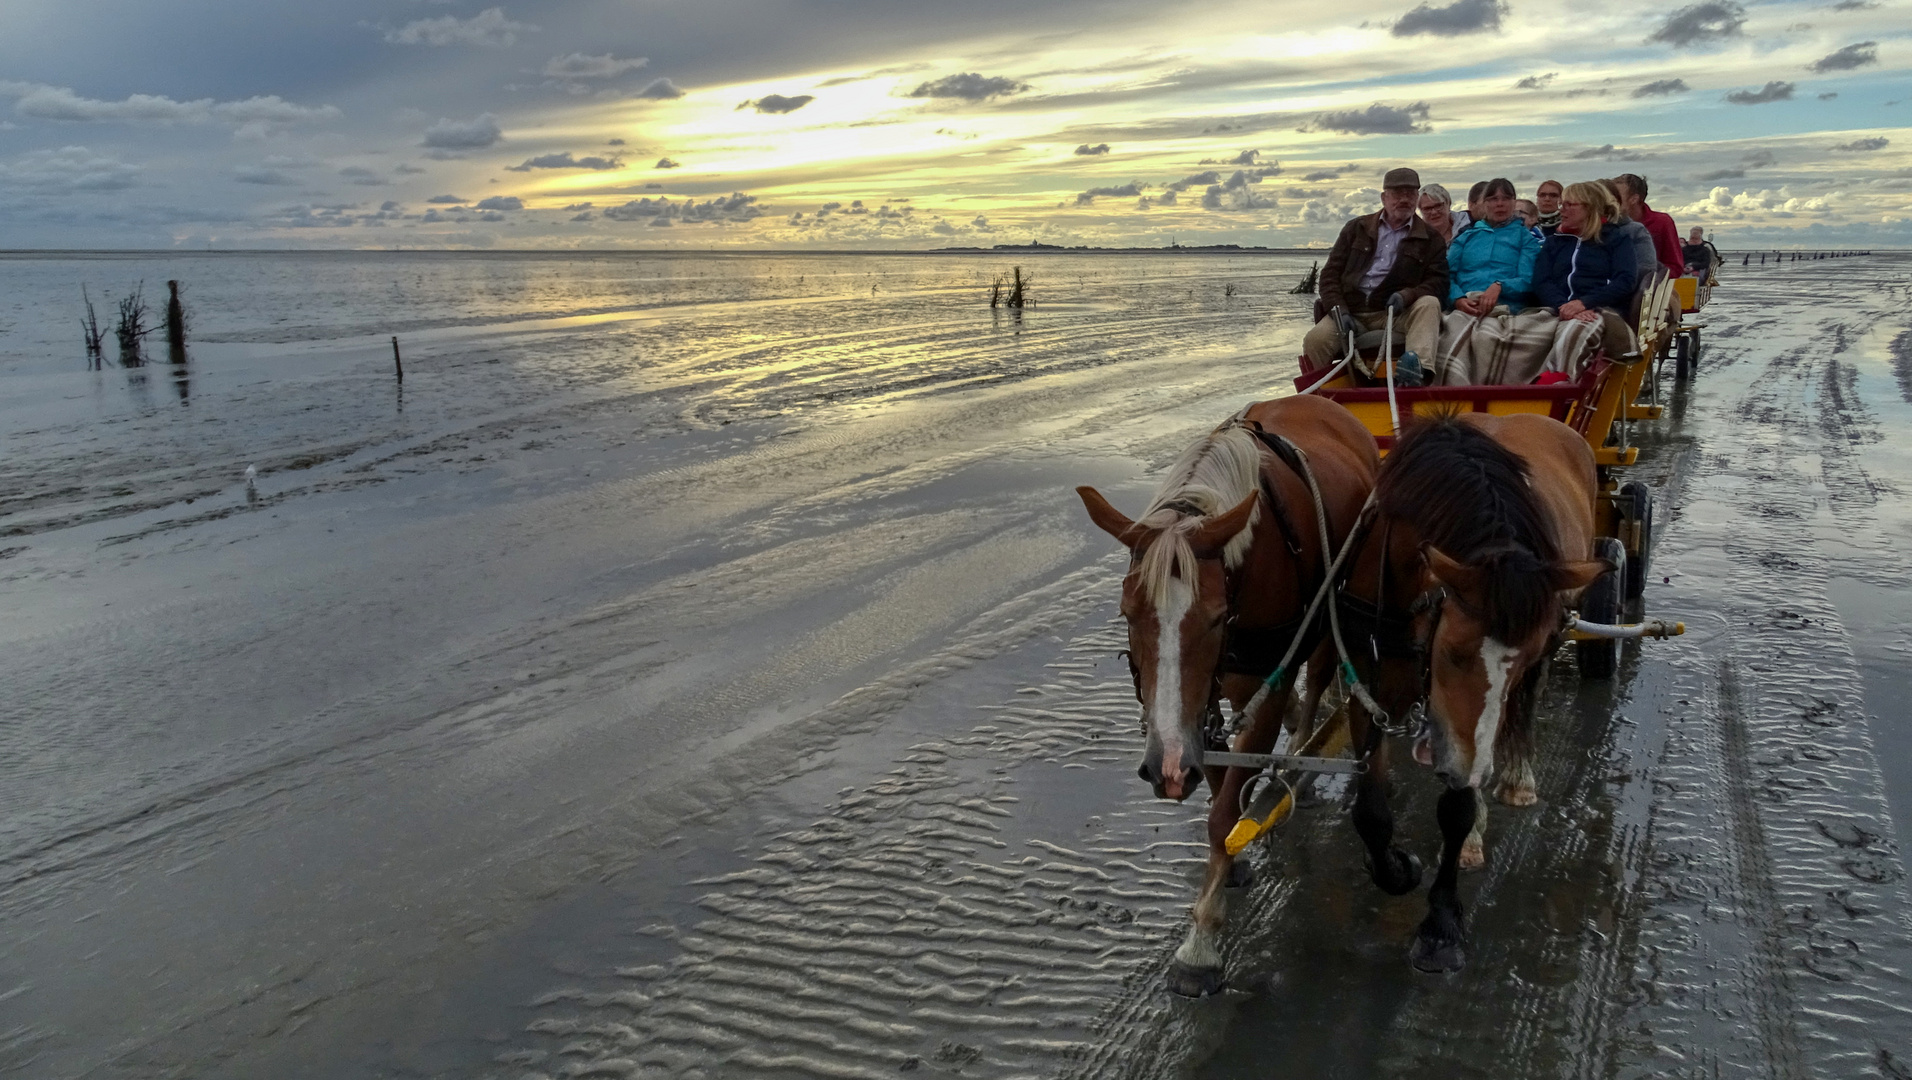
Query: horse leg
[1312, 682]
[1395, 871]
[1197, 970]
[1437, 944]
[1474, 849]
[1514, 748]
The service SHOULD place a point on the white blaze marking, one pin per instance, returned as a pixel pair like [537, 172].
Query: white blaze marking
[1166, 713]
[1500, 661]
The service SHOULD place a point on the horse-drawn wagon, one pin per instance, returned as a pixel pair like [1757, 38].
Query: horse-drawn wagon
[1693, 295]
[1498, 530]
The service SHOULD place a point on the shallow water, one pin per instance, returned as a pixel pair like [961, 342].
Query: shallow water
[700, 666]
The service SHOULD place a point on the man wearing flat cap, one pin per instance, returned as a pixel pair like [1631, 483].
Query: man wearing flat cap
[1388, 259]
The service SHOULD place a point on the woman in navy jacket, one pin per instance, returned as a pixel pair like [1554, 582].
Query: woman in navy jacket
[1585, 273]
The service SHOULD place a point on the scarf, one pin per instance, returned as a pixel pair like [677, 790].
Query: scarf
[1550, 221]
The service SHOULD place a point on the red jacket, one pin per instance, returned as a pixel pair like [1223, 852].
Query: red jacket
[1666, 239]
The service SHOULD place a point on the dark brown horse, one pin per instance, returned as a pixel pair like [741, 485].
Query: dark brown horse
[1481, 543]
[1223, 562]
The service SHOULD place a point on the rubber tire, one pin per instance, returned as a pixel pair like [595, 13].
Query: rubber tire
[1682, 356]
[1696, 351]
[1637, 505]
[1599, 659]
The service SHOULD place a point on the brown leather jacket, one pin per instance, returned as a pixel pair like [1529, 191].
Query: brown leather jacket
[1420, 266]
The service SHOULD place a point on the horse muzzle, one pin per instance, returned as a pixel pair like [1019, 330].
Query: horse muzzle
[1175, 779]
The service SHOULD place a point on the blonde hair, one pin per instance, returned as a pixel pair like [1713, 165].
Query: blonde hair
[1592, 194]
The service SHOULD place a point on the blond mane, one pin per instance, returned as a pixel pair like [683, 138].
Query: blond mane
[1212, 476]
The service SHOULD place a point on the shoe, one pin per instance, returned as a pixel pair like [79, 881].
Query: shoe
[1407, 370]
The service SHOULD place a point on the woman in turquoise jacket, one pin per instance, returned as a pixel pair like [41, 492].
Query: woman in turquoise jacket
[1486, 337]
[1497, 249]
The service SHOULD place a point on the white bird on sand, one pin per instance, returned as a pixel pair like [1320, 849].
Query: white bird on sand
[252, 476]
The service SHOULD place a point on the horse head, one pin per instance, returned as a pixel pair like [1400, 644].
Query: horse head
[1175, 598]
[1486, 624]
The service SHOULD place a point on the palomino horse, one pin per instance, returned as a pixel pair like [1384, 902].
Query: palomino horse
[1480, 545]
[1214, 595]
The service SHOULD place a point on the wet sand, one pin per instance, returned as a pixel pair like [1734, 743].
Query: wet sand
[753, 710]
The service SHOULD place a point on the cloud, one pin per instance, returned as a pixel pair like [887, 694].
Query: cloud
[473, 134]
[407, 168]
[1235, 194]
[969, 86]
[1246, 157]
[1855, 5]
[1864, 146]
[501, 202]
[1085, 150]
[1329, 174]
[660, 90]
[667, 163]
[1199, 179]
[489, 28]
[1127, 191]
[1759, 159]
[1772, 91]
[257, 115]
[1828, 95]
[1852, 56]
[566, 161]
[584, 215]
[1377, 119]
[359, 174]
[1661, 88]
[1537, 82]
[1714, 20]
[255, 174]
[1460, 17]
[68, 169]
[777, 103]
[580, 66]
[736, 207]
[1610, 152]
[447, 200]
[1722, 174]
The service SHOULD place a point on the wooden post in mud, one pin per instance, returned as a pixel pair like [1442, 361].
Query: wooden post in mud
[175, 325]
[398, 365]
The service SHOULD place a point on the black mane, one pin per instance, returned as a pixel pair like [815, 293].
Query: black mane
[1470, 497]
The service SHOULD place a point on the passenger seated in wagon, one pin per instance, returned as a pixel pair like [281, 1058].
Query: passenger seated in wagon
[1386, 260]
[1485, 338]
[1585, 276]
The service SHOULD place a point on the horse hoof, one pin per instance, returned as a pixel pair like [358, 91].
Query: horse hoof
[1240, 874]
[1194, 982]
[1404, 874]
[1473, 855]
[1519, 795]
[1436, 956]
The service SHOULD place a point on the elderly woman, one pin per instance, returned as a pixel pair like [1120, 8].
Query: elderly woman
[1437, 209]
[1586, 274]
[1490, 268]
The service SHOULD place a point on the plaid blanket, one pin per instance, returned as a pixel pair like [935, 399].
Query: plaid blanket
[1508, 349]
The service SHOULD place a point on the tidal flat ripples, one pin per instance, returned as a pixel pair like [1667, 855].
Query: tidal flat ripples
[920, 924]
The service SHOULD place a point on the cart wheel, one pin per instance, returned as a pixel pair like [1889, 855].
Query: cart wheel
[1636, 507]
[1696, 350]
[1599, 659]
[1683, 356]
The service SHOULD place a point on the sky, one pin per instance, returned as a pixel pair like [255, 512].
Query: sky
[833, 124]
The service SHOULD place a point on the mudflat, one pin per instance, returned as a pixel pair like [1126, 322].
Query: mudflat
[700, 666]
